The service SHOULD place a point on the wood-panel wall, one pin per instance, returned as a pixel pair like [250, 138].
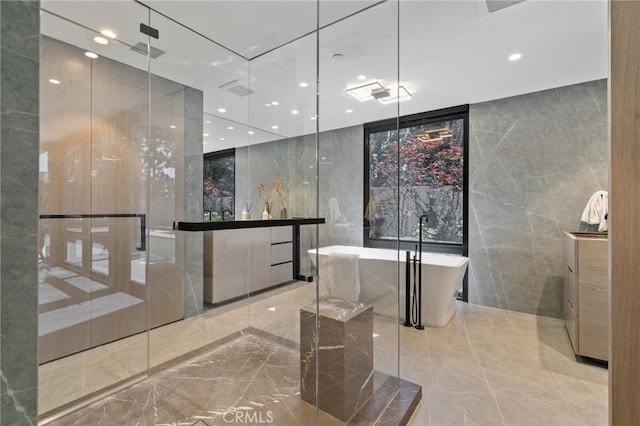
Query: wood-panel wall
[624, 213]
[100, 160]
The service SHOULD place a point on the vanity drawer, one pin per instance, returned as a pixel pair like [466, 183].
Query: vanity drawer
[281, 253]
[281, 273]
[570, 290]
[569, 248]
[571, 323]
[281, 234]
[594, 323]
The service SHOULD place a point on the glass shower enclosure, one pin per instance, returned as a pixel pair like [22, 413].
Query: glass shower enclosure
[133, 96]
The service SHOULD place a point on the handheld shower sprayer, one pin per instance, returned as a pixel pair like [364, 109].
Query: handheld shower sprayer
[413, 301]
[419, 326]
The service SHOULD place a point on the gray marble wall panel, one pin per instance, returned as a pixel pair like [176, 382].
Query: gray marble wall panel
[193, 164]
[293, 161]
[535, 160]
[341, 186]
[19, 142]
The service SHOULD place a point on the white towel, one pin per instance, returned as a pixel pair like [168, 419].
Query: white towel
[334, 210]
[345, 278]
[596, 210]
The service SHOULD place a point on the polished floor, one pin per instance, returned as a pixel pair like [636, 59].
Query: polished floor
[487, 367]
[220, 387]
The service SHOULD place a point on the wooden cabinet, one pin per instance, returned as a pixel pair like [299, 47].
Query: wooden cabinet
[585, 302]
[240, 262]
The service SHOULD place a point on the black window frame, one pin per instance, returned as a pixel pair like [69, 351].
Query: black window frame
[458, 112]
[231, 152]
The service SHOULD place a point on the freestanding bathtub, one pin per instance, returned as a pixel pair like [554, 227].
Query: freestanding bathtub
[442, 276]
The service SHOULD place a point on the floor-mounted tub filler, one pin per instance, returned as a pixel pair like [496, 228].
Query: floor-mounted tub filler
[381, 275]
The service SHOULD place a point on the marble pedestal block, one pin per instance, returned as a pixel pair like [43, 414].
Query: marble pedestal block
[345, 356]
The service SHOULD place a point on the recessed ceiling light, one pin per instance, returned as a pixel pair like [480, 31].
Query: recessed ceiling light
[54, 81]
[303, 84]
[295, 111]
[172, 126]
[230, 128]
[219, 110]
[100, 40]
[274, 127]
[323, 158]
[108, 33]
[90, 55]
[312, 118]
[221, 139]
[250, 132]
[362, 77]
[275, 103]
[349, 111]
[205, 134]
[267, 105]
[515, 57]
[208, 121]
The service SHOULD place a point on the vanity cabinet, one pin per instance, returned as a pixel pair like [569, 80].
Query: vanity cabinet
[585, 301]
[240, 262]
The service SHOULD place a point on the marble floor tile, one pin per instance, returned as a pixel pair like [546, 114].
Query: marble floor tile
[250, 380]
[486, 367]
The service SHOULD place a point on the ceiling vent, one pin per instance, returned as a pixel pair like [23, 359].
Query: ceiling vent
[141, 48]
[495, 5]
[235, 87]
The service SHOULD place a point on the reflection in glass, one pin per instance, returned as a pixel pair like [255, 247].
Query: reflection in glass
[219, 186]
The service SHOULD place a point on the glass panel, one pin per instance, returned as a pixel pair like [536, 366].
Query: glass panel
[279, 181]
[196, 279]
[280, 178]
[358, 73]
[93, 120]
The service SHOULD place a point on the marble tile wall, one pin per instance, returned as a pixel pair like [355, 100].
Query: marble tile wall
[19, 142]
[341, 186]
[293, 160]
[193, 267]
[535, 160]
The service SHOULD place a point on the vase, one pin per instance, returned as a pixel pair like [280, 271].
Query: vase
[283, 212]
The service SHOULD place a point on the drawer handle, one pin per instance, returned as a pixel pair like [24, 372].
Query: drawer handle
[569, 267]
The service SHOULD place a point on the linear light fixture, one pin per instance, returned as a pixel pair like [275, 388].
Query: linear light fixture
[365, 92]
[377, 90]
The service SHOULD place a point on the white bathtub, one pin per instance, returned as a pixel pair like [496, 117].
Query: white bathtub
[442, 276]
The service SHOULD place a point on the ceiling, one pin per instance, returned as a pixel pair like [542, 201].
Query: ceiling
[445, 53]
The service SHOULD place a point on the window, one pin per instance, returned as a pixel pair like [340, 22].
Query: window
[414, 169]
[219, 185]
